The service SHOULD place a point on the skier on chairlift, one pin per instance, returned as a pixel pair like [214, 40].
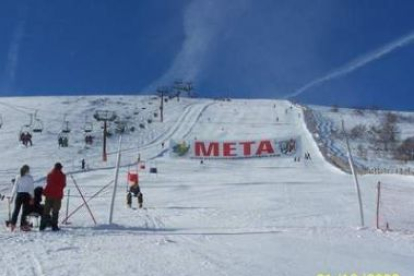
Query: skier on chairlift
[26, 138]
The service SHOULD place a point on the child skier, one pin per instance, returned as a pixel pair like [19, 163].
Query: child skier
[134, 190]
[36, 209]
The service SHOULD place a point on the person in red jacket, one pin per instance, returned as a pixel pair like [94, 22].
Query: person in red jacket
[53, 191]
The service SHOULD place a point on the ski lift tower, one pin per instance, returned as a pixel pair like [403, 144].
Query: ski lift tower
[161, 92]
[189, 88]
[104, 116]
[88, 126]
[186, 87]
[65, 125]
[177, 88]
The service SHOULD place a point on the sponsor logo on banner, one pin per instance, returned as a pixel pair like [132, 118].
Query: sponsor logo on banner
[236, 149]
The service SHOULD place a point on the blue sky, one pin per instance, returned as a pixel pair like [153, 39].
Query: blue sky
[236, 48]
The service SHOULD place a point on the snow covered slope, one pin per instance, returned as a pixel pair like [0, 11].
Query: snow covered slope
[265, 216]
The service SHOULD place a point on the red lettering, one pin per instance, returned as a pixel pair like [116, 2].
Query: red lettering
[247, 148]
[265, 147]
[228, 149]
[200, 149]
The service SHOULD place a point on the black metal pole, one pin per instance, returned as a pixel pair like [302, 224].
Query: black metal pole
[104, 157]
[162, 107]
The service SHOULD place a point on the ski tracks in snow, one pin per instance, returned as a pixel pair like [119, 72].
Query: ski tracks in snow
[153, 222]
[19, 260]
[182, 128]
[28, 253]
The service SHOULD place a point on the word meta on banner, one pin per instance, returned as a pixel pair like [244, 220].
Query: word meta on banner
[236, 149]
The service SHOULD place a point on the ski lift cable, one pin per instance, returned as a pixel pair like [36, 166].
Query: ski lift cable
[35, 122]
[17, 108]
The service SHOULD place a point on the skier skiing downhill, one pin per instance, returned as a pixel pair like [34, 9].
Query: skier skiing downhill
[53, 191]
[23, 193]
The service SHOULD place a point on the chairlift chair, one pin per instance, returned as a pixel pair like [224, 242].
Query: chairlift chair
[88, 127]
[37, 126]
[25, 128]
[65, 127]
[121, 126]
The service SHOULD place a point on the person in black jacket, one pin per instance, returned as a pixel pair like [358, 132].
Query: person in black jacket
[37, 207]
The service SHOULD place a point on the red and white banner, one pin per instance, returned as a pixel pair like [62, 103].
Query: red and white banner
[236, 149]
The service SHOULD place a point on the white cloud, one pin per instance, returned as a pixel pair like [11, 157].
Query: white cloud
[203, 21]
[357, 63]
[13, 55]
